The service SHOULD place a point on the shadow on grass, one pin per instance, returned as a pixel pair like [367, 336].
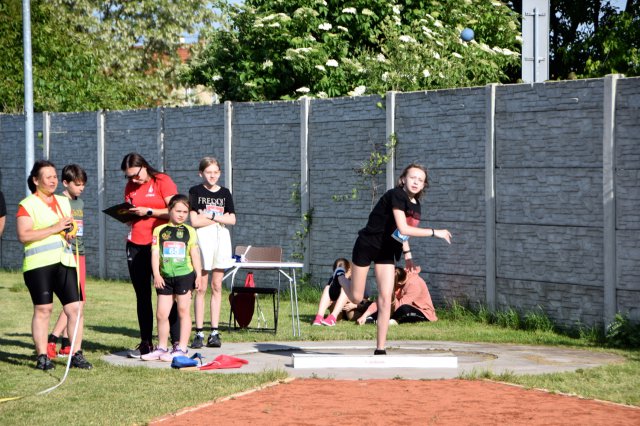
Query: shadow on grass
[16, 358]
[95, 345]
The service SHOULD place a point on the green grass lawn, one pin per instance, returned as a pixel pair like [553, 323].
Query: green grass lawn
[122, 395]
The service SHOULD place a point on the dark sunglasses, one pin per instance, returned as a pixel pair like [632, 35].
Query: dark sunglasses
[133, 176]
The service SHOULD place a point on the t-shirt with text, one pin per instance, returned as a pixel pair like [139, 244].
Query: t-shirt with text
[174, 243]
[211, 202]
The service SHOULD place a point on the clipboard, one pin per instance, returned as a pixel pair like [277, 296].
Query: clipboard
[121, 212]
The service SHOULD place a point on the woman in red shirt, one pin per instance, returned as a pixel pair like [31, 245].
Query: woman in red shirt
[149, 191]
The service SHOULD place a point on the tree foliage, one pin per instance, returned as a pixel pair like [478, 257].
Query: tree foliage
[591, 38]
[282, 49]
[91, 54]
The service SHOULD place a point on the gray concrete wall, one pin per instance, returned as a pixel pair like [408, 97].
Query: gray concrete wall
[549, 178]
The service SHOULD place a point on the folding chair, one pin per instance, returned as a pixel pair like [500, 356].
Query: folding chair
[258, 254]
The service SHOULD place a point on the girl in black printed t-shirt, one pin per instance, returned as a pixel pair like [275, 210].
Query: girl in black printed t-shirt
[211, 213]
[392, 221]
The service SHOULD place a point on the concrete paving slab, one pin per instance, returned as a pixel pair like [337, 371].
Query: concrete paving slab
[479, 357]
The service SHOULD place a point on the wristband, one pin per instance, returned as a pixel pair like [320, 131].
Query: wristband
[433, 232]
[405, 252]
[338, 272]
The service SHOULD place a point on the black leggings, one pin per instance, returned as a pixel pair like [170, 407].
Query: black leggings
[406, 313]
[139, 263]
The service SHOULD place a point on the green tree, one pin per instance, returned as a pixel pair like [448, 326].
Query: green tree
[90, 54]
[282, 49]
[591, 38]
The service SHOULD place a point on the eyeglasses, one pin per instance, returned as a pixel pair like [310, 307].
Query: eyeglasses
[130, 177]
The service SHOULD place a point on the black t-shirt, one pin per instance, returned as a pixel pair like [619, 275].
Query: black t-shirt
[382, 224]
[3, 206]
[218, 202]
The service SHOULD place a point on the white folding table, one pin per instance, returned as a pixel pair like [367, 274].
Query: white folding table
[286, 269]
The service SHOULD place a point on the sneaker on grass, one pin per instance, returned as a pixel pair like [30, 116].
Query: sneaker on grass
[168, 356]
[329, 321]
[142, 349]
[198, 341]
[317, 320]
[52, 352]
[155, 355]
[44, 363]
[214, 341]
[64, 351]
[78, 361]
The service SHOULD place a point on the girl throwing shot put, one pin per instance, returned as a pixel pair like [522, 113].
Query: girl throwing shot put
[392, 221]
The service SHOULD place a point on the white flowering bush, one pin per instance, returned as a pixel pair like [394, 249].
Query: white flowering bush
[284, 49]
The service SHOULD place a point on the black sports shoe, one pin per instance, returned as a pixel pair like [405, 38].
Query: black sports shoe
[214, 341]
[142, 349]
[198, 342]
[44, 363]
[380, 352]
[78, 361]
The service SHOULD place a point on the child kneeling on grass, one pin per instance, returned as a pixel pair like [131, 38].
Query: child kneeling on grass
[175, 261]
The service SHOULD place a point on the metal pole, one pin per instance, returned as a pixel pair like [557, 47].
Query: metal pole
[28, 91]
[535, 45]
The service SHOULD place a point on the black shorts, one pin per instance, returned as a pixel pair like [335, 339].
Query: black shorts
[364, 253]
[178, 285]
[45, 281]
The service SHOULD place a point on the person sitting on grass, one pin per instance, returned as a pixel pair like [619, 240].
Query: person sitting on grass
[411, 300]
[334, 298]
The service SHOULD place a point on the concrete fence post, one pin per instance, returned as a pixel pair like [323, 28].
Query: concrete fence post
[228, 145]
[305, 199]
[102, 195]
[390, 134]
[46, 135]
[609, 197]
[160, 138]
[490, 197]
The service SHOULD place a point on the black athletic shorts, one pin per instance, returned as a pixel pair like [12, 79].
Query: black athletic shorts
[363, 253]
[48, 280]
[178, 285]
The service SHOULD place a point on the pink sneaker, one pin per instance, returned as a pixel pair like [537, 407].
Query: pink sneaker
[168, 356]
[329, 321]
[154, 355]
[317, 321]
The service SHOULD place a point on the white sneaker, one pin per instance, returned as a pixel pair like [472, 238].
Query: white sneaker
[393, 322]
[155, 355]
[168, 356]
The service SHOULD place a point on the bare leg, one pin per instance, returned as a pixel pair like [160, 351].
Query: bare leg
[40, 326]
[325, 301]
[337, 307]
[358, 282]
[60, 329]
[184, 313]
[165, 303]
[73, 312]
[198, 305]
[216, 296]
[384, 278]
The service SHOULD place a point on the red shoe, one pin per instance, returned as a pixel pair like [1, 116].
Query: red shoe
[317, 320]
[329, 321]
[51, 350]
[65, 351]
